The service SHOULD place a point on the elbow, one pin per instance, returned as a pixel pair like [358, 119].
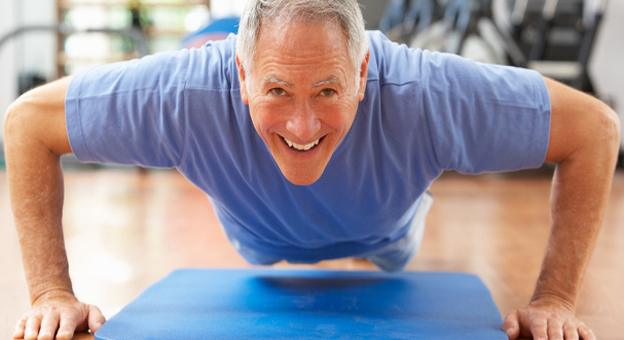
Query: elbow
[36, 120]
[603, 140]
[618, 128]
[21, 121]
[10, 118]
[14, 120]
[610, 129]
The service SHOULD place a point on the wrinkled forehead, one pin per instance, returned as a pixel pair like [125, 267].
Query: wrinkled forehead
[303, 43]
[302, 37]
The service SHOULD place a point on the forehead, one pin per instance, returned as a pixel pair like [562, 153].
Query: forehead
[305, 46]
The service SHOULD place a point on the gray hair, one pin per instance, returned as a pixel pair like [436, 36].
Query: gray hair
[257, 12]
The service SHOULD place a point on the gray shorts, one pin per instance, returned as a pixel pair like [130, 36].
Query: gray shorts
[391, 258]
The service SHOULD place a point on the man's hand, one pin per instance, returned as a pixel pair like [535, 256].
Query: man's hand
[58, 313]
[544, 319]
[584, 142]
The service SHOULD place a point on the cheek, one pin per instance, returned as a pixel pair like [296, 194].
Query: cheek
[341, 116]
[265, 117]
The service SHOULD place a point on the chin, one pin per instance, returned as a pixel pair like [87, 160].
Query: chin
[302, 178]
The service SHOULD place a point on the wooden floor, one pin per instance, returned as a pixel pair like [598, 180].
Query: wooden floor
[126, 229]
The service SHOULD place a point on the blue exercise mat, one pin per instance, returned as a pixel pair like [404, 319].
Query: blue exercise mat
[309, 304]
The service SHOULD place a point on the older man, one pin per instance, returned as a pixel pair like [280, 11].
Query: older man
[314, 140]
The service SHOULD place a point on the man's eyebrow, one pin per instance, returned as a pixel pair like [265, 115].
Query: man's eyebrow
[272, 79]
[329, 80]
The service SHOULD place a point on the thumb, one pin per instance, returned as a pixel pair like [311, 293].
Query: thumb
[96, 318]
[511, 325]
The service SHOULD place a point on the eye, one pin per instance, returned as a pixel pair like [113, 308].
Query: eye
[327, 92]
[278, 91]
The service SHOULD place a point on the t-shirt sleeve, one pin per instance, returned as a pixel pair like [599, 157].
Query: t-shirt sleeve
[129, 112]
[484, 117]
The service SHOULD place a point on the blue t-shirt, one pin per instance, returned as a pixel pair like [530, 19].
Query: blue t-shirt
[422, 113]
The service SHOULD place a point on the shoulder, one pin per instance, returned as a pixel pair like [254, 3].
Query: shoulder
[213, 66]
[391, 62]
[397, 64]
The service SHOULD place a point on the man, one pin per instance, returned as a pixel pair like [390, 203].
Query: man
[314, 141]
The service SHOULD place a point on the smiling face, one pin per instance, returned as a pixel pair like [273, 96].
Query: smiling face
[303, 92]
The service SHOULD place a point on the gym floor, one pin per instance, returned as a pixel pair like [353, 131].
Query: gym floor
[126, 229]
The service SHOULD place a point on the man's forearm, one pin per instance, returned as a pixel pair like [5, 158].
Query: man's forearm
[35, 135]
[36, 191]
[579, 198]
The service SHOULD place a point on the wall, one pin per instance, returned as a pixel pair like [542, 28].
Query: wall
[30, 52]
[372, 11]
[222, 9]
[37, 50]
[7, 60]
[607, 65]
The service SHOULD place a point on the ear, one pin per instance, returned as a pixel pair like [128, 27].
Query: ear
[243, 81]
[363, 76]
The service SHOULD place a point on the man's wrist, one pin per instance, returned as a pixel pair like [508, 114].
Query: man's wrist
[551, 298]
[52, 294]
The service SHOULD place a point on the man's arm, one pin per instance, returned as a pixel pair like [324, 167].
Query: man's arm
[35, 137]
[584, 142]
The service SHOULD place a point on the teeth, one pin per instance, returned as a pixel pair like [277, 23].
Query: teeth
[301, 147]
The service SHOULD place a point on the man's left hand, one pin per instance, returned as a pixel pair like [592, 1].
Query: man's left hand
[546, 320]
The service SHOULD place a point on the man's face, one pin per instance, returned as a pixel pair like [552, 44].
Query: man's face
[303, 95]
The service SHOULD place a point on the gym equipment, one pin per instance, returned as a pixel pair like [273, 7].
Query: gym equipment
[564, 40]
[404, 18]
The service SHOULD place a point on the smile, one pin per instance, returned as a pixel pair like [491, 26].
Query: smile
[301, 147]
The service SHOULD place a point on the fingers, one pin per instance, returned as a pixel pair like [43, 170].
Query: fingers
[585, 332]
[37, 326]
[511, 326]
[569, 331]
[96, 318]
[70, 323]
[20, 327]
[42, 322]
[548, 323]
[555, 329]
[49, 323]
[32, 327]
[66, 327]
[539, 328]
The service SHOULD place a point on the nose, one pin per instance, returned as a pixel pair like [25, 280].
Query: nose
[303, 123]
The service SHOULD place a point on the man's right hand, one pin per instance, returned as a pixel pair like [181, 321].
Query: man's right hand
[58, 313]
